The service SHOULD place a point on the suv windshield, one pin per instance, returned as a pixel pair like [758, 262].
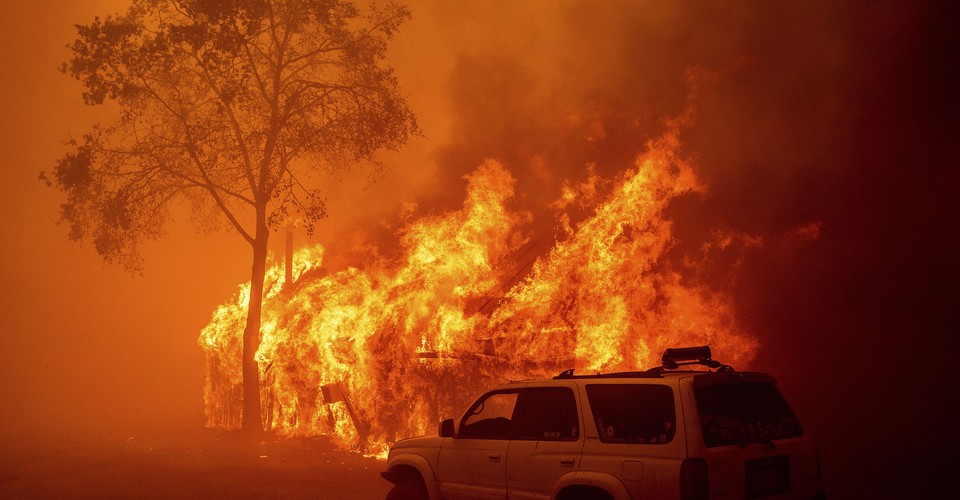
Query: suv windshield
[743, 412]
[633, 413]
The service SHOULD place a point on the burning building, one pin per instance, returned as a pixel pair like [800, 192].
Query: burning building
[383, 349]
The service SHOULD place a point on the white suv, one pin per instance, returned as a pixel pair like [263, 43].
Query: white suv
[660, 434]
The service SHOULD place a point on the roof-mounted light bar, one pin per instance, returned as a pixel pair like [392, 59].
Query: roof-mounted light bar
[675, 357]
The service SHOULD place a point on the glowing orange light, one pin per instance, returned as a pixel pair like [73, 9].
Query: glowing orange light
[405, 343]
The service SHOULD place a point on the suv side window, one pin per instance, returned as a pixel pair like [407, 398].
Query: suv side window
[490, 417]
[548, 414]
[633, 413]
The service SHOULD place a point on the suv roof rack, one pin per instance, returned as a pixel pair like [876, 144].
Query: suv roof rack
[672, 359]
[652, 373]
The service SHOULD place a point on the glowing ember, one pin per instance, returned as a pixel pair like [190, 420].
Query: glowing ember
[370, 355]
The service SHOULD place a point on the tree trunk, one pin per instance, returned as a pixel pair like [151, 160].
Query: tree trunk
[252, 417]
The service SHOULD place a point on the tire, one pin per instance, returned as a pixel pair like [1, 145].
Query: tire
[583, 493]
[408, 489]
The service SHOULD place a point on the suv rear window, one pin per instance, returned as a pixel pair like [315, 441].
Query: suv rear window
[743, 412]
[633, 413]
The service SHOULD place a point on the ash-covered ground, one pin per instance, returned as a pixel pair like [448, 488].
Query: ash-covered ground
[184, 464]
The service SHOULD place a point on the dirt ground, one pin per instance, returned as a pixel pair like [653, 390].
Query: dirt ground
[185, 464]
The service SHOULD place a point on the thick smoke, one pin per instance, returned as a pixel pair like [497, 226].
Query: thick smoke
[560, 93]
[824, 134]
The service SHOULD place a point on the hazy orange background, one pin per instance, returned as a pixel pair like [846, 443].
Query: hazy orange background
[89, 347]
[840, 114]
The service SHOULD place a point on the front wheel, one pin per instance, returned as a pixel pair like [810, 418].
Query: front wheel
[408, 489]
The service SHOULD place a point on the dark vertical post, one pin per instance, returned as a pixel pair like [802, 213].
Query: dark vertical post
[288, 264]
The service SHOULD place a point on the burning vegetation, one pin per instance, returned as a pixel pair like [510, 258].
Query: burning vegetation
[382, 350]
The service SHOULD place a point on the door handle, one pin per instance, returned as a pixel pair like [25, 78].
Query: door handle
[494, 458]
[567, 463]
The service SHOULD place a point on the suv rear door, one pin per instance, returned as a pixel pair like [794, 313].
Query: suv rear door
[631, 434]
[547, 442]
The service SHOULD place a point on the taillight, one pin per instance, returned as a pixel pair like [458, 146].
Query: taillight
[694, 483]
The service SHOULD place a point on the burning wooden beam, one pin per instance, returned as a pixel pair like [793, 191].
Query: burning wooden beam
[335, 393]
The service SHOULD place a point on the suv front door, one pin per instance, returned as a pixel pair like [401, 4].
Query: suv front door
[472, 464]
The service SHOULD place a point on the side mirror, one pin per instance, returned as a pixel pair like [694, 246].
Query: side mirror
[446, 428]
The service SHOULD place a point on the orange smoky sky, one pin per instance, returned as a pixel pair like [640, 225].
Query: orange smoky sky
[825, 134]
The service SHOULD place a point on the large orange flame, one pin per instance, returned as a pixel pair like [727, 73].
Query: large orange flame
[370, 355]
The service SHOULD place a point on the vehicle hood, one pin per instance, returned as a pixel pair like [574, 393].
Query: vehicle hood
[417, 442]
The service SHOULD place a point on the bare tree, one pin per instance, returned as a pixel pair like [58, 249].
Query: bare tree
[230, 106]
